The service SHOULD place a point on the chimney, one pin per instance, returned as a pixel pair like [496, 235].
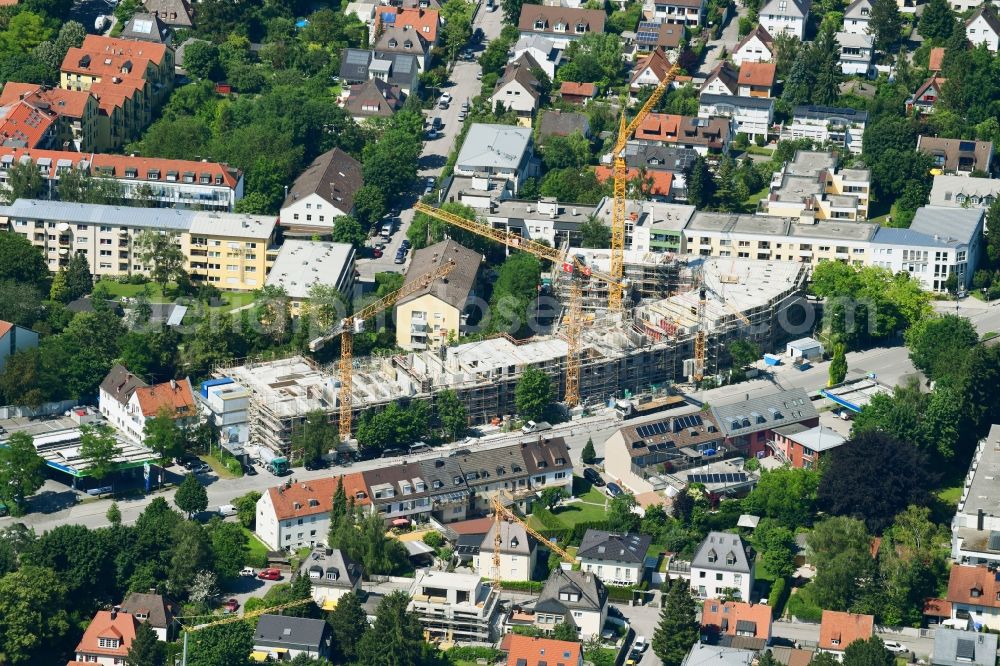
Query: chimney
[980, 518]
[173, 384]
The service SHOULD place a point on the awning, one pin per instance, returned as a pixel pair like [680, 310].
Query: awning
[329, 604]
[258, 656]
[400, 522]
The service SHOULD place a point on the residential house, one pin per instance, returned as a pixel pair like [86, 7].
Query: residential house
[617, 559]
[457, 607]
[449, 492]
[563, 123]
[802, 446]
[722, 80]
[62, 119]
[145, 27]
[678, 12]
[14, 338]
[649, 70]
[857, 53]
[723, 566]
[722, 620]
[940, 243]
[107, 639]
[537, 651]
[958, 156]
[578, 598]
[365, 11]
[748, 425]
[499, 152]
[758, 46]
[130, 80]
[701, 654]
[757, 79]
[543, 52]
[953, 647]
[294, 515]
[420, 20]
[399, 493]
[399, 39]
[302, 264]
[656, 157]
[374, 99]
[790, 656]
[983, 27]
[564, 24]
[429, 317]
[180, 184]
[786, 16]
[354, 65]
[127, 402]
[837, 630]
[174, 13]
[657, 185]
[752, 116]
[577, 93]
[857, 16]
[332, 574]
[231, 252]
[545, 220]
[811, 187]
[396, 69]
[518, 553]
[284, 637]
[702, 135]
[962, 192]
[637, 455]
[650, 227]
[826, 124]
[974, 594]
[518, 90]
[323, 192]
[659, 35]
[927, 95]
[155, 609]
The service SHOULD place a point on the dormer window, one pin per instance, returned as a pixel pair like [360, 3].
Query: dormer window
[110, 643]
[976, 592]
[559, 27]
[393, 43]
[581, 28]
[712, 557]
[539, 25]
[313, 502]
[730, 559]
[437, 484]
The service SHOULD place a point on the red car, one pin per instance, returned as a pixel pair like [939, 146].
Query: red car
[377, 253]
[231, 606]
[269, 574]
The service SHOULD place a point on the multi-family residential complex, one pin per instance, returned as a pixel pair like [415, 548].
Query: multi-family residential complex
[128, 403]
[302, 264]
[961, 192]
[975, 529]
[786, 16]
[617, 559]
[294, 515]
[810, 186]
[683, 12]
[229, 250]
[723, 566]
[168, 183]
[321, 193]
[826, 124]
[39, 116]
[454, 606]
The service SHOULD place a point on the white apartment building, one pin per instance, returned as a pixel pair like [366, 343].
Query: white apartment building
[617, 559]
[857, 51]
[750, 115]
[962, 192]
[826, 124]
[294, 515]
[857, 16]
[127, 402]
[975, 529]
[786, 16]
[454, 607]
[723, 566]
[810, 186]
[518, 553]
[332, 574]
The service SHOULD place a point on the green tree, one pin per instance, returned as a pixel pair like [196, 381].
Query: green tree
[33, 616]
[825, 57]
[369, 205]
[162, 252]
[21, 261]
[533, 394]
[24, 181]
[230, 547]
[937, 22]
[936, 342]
[840, 550]
[22, 471]
[801, 79]
[346, 229]
[621, 514]
[99, 447]
[191, 555]
[885, 25]
[163, 435]
[452, 414]
[315, 438]
[786, 495]
[21, 303]
[744, 353]
[79, 282]
[396, 638]
[514, 290]
[201, 59]
[678, 629]
[594, 233]
[146, 649]
[114, 515]
[348, 623]
[838, 366]
[564, 631]
[868, 652]
[25, 31]
[551, 497]
[777, 548]
[58, 290]
[221, 644]
[191, 497]
[560, 152]
[700, 186]
[246, 508]
[588, 455]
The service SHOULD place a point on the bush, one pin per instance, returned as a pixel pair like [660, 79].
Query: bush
[433, 539]
[802, 606]
[620, 592]
[581, 528]
[522, 585]
[778, 597]
[548, 519]
[473, 653]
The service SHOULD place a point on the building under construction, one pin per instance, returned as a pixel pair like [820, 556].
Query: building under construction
[651, 347]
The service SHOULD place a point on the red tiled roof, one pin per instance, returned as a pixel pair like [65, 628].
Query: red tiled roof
[21, 122]
[581, 89]
[285, 499]
[656, 61]
[472, 526]
[71, 103]
[936, 58]
[937, 608]
[534, 651]
[724, 616]
[424, 21]
[837, 630]
[5, 326]
[976, 586]
[122, 626]
[658, 127]
[176, 396]
[662, 180]
[758, 74]
[120, 64]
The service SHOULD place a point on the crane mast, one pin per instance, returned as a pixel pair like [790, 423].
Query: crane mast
[501, 513]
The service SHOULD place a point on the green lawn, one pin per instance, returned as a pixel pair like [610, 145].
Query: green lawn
[578, 512]
[594, 496]
[219, 467]
[950, 495]
[258, 551]
[118, 289]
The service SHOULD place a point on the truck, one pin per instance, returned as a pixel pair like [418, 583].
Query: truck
[274, 463]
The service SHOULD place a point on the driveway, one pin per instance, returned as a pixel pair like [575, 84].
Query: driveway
[728, 40]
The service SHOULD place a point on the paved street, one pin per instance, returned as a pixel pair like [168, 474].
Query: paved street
[729, 38]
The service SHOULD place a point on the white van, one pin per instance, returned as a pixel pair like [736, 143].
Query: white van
[226, 510]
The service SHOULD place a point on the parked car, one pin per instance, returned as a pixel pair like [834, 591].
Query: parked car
[640, 641]
[319, 463]
[593, 476]
[400, 258]
[226, 510]
[437, 123]
[406, 244]
[895, 647]
[461, 116]
[446, 97]
[614, 490]
[231, 605]
[249, 470]
[269, 574]
[248, 572]
[201, 468]
[443, 104]
[376, 253]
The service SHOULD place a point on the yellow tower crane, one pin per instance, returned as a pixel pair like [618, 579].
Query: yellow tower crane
[574, 322]
[355, 324]
[501, 513]
[619, 171]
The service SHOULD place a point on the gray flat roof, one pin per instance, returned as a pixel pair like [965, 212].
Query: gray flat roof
[497, 146]
[766, 225]
[946, 189]
[303, 263]
[810, 163]
[233, 224]
[984, 492]
[961, 224]
[737, 101]
[170, 219]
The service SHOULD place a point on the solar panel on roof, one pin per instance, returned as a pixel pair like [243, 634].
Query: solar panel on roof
[726, 477]
[357, 57]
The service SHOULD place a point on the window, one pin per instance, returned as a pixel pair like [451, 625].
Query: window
[108, 642]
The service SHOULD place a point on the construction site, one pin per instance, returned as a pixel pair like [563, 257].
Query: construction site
[645, 349]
